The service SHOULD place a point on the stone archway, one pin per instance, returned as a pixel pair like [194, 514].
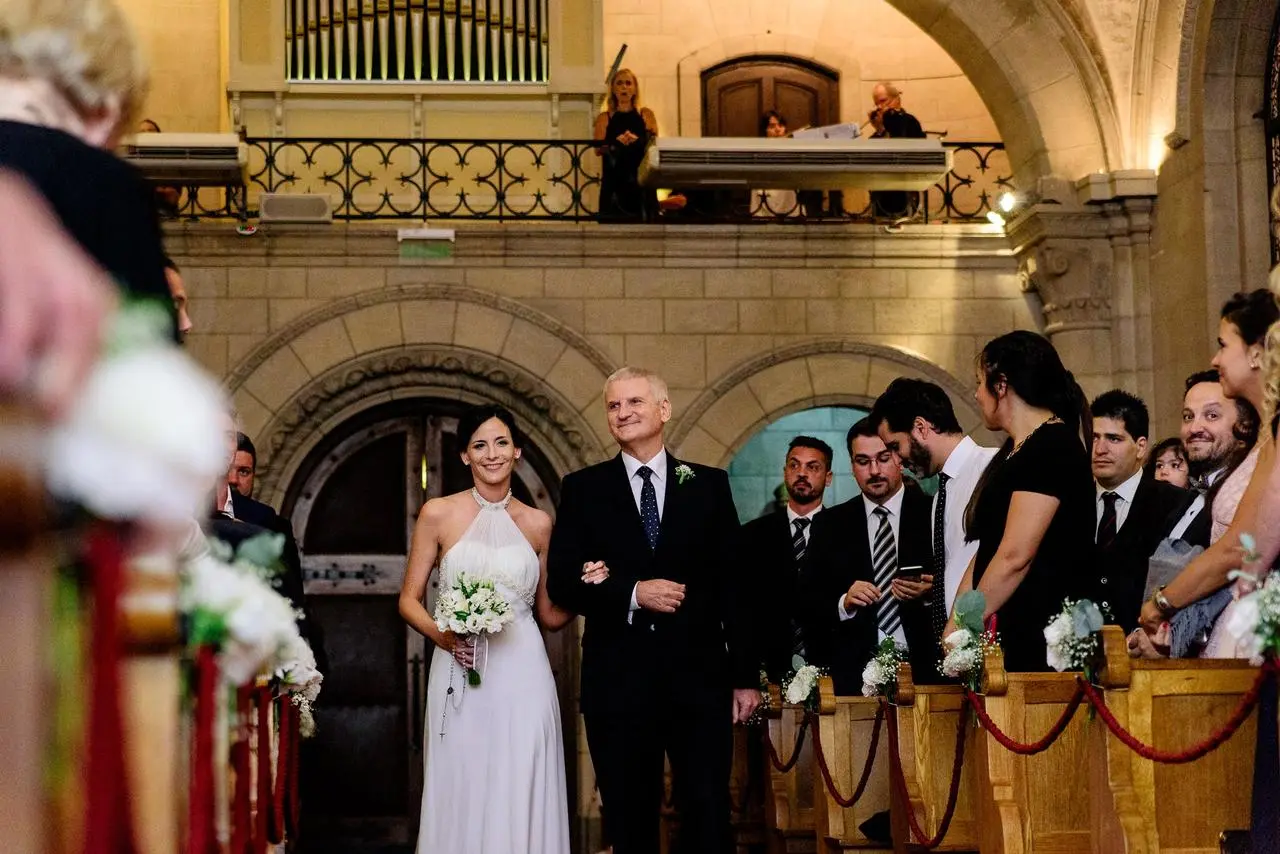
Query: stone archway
[832, 372]
[1047, 92]
[411, 340]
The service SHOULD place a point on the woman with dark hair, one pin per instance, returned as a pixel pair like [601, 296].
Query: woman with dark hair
[1242, 333]
[774, 203]
[1168, 462]
[1032, 512]
[494, 754]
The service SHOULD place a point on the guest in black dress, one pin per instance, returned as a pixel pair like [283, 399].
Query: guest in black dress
[60, 120]
[1032, 512]
[626, 130]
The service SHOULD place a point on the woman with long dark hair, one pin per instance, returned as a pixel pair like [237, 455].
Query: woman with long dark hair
[1032, 513]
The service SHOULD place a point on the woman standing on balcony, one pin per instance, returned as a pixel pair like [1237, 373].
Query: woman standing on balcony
[625, 131]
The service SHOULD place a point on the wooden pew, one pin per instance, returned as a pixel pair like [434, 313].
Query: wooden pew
[927, 717]
[1141, 807]
[845, 726]
[790, 798]
[1037, 803]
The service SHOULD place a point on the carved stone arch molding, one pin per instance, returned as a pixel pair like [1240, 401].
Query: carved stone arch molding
[421, 340]
[831, 372]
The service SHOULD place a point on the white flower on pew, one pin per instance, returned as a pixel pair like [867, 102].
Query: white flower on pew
[966, 646]
[1071, 638]
[801, 688]
[1254, 622]
[143, 440]
[880, 676]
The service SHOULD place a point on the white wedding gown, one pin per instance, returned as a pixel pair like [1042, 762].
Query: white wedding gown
[494, 782]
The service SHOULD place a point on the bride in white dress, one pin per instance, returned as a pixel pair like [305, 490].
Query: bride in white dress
[494, 754]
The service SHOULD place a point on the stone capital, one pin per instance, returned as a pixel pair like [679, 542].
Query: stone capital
[1064, 254]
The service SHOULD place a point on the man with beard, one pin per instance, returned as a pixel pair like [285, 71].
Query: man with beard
[915, 419]
[866, 575]
[1216, 433]
[776, 544]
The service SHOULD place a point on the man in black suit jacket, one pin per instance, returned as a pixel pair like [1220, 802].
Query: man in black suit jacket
[864, 577]
[775, 544]
[1134, 510]
[668, 663]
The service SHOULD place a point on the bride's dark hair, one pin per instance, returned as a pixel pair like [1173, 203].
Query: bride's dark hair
[470, 422]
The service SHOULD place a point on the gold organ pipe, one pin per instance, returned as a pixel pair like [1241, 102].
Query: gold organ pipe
[508, 31]
[467, 26]
[433, 37]
[419, 49]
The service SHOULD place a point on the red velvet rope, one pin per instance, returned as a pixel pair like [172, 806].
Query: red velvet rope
[262, 823]
[282, 771]
[1191, 754]
[784, 767]
[293, 817]
[1032, 748]
[866, 767]
[108, 813]
[241, 805]
[202, 835]
[900, 783]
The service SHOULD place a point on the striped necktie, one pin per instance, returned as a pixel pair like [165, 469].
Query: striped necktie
[798, 545]
[884, 560]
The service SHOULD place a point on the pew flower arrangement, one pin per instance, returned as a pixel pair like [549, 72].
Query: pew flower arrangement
[1071, 637]
[967, 645]
[298, 677]
[880, 676]
[801, 687]
[1255, 620]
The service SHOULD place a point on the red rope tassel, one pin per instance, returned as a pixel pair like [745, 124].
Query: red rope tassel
[261, 824]
[202, 833]
[241, 808]
[109, 816]
[275, 806]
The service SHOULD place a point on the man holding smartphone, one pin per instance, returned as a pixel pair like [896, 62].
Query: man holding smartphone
[867, 577]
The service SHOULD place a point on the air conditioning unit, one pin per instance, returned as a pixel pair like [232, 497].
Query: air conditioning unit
[190, 159]
[295, 208]
[799, 164]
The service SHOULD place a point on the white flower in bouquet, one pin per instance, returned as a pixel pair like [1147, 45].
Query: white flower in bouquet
[959, 638]
[472, 607]
[1254, 622]
[872, 677]
[963, 660]
[880, 676]
[1071, 637]
[143, 440]
[800, 688]
[297, 670]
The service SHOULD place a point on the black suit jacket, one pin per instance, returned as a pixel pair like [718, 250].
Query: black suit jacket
[767, 550]
[1123, 566]
[839, 554]
[706, 645]
[1197, 533]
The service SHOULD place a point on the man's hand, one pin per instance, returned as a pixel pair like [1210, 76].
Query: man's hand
[863, 594]
[659, 595]
[745, 703]
[1150, 617]
[904, 590]
[594, 572]
[54, 302]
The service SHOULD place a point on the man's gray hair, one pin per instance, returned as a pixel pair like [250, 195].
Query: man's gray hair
[657, 384]
[889, 89]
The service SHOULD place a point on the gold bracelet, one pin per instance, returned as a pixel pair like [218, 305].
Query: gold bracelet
[1162, 603]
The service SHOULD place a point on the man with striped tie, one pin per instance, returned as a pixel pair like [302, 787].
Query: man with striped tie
[865, 576]
[776, 544]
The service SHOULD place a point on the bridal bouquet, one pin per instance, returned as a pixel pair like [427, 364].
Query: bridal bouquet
[1072, 637]
[968, 644]
[880, 676]
[472, 606]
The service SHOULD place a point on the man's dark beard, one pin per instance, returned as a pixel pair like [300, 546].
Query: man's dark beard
[813, 497]
[1199, 469]
[918, 458]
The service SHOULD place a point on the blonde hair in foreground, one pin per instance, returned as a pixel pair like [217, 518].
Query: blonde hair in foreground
[84, 48]
[657, 384]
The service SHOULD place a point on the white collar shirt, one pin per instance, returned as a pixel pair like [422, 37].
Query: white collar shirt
[963, 468]
[658, 465]
[1125, 493]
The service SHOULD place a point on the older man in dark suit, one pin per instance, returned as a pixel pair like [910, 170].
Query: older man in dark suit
[775, 545]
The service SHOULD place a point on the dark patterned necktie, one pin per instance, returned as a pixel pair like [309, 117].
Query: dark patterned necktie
[884, 559]
[649, 506]
[1107, 524]
[938, 596]
[798, 545]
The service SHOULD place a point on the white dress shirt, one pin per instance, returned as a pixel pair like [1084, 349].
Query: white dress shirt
[894, 506]
[1180, 529]
[965, 465]
[658, 465]
[1124, 500]
[792, 516]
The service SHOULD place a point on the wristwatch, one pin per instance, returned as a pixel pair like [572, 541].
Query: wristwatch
[1162, 603]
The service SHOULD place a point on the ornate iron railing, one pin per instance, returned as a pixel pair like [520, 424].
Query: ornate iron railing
[367, 179]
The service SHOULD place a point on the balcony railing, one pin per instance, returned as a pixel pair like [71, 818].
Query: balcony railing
[370, 179]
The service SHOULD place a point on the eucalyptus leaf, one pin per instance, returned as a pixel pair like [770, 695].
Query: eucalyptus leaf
[140, 323]
[1093, 616]
[969, 610]
[797, 662]
[263, 550]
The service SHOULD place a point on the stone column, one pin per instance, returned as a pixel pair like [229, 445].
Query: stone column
[1087, 256]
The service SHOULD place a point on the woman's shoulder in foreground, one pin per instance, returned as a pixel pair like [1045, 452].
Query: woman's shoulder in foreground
[534, 522]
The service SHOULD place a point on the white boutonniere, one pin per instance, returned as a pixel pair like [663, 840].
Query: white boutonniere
[683, 473]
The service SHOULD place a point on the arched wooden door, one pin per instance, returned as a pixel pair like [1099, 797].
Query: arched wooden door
[353, 505]
[736, 93]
